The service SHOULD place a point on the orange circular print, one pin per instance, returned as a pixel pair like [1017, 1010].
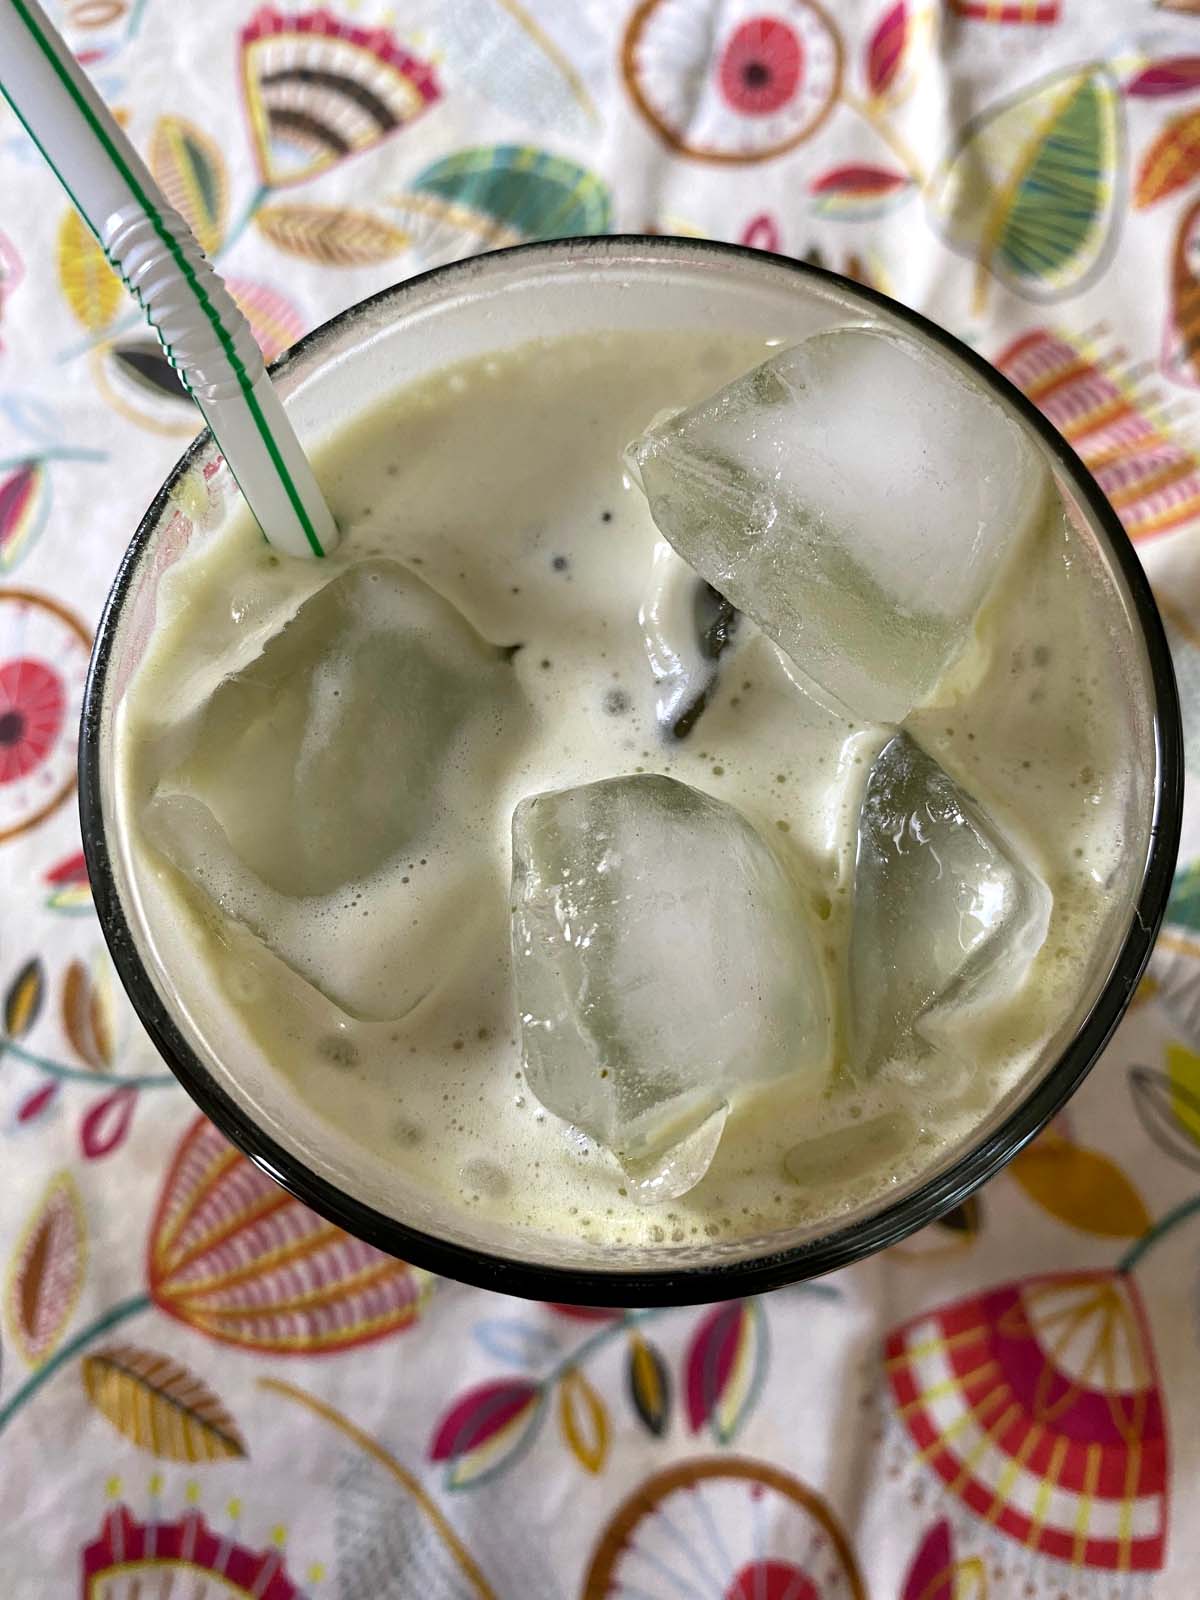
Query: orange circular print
[724, 1528]
[732, 80]
[44, 652]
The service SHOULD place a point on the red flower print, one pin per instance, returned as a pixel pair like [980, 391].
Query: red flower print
[772, 1580]
[131, 1557]
[33, 705]
[737, 82]
[724, 1526]
[761, 66]
[1037, 1404]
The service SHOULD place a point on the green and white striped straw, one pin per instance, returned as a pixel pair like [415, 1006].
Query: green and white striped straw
[203, 334]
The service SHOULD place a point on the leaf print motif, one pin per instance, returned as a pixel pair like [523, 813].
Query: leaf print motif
[38, 1103]
[87, 1017]
[587, 1313]
[1011, 11]
[68, 885]
[105, 1126]
[885, 51]
[725, 1367]
[1181, 347]
[161, 1406]
[486, 1430]
[857, 192]
[1169, 1110]
[965, 1219]
[1183, 1072]
[1172, 160]
[584, 1420]
[649, 1385]
[1175, 961]
[76, 1005]
[23, 1001]
[495, 195]
[520, 1343]
[191, 171]
[274, 321]
[543, 196]
[92, 289]
[930, 1575]
[1183, 903]
[24, 504]
[94, 13]
[47, 1271]
[335, 236]
[1080, 1187]
[1032, 190]
[12, 271]
[141, 363]
[1175, 75]
[762, 232]
[32, 417]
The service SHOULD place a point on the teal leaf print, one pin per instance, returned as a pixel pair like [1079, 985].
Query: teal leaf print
[1183, 905]
[521, 1344]
[524, 191]
[1034, 187]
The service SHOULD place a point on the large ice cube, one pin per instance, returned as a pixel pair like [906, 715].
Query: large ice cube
[375, 709]
[662, 959]
[947, 917]
[322, 758]
[855, 496]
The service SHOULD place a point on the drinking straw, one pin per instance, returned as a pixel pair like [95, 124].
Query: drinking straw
[203, 334]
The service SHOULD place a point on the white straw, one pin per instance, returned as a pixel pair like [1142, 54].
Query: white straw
[203, 334]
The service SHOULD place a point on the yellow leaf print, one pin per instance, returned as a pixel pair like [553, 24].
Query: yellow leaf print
[92, 288]
[1183, 1069]
[1080, 1187]
[160, 1405]
[584, 1420]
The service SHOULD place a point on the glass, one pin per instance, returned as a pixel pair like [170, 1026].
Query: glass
[354, 362]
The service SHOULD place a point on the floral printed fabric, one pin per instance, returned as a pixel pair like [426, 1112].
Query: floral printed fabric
[204, 1384]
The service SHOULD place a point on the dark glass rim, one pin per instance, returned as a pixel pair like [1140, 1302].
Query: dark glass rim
[686, 1285]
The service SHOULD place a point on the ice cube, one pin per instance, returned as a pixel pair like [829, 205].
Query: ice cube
[318, 763]
[662, 960]
[856, 496]
[947, 916]
[686, 628]
[322, 758]
[842, 1155]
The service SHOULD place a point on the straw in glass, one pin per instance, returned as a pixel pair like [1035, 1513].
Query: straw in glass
[203, 334]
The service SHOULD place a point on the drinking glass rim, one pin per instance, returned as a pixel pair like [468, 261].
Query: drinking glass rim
[702, 1282]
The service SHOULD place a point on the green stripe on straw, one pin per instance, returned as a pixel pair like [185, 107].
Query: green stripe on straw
[151, 211]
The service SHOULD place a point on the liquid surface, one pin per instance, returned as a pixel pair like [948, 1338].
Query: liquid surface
[500, 484]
